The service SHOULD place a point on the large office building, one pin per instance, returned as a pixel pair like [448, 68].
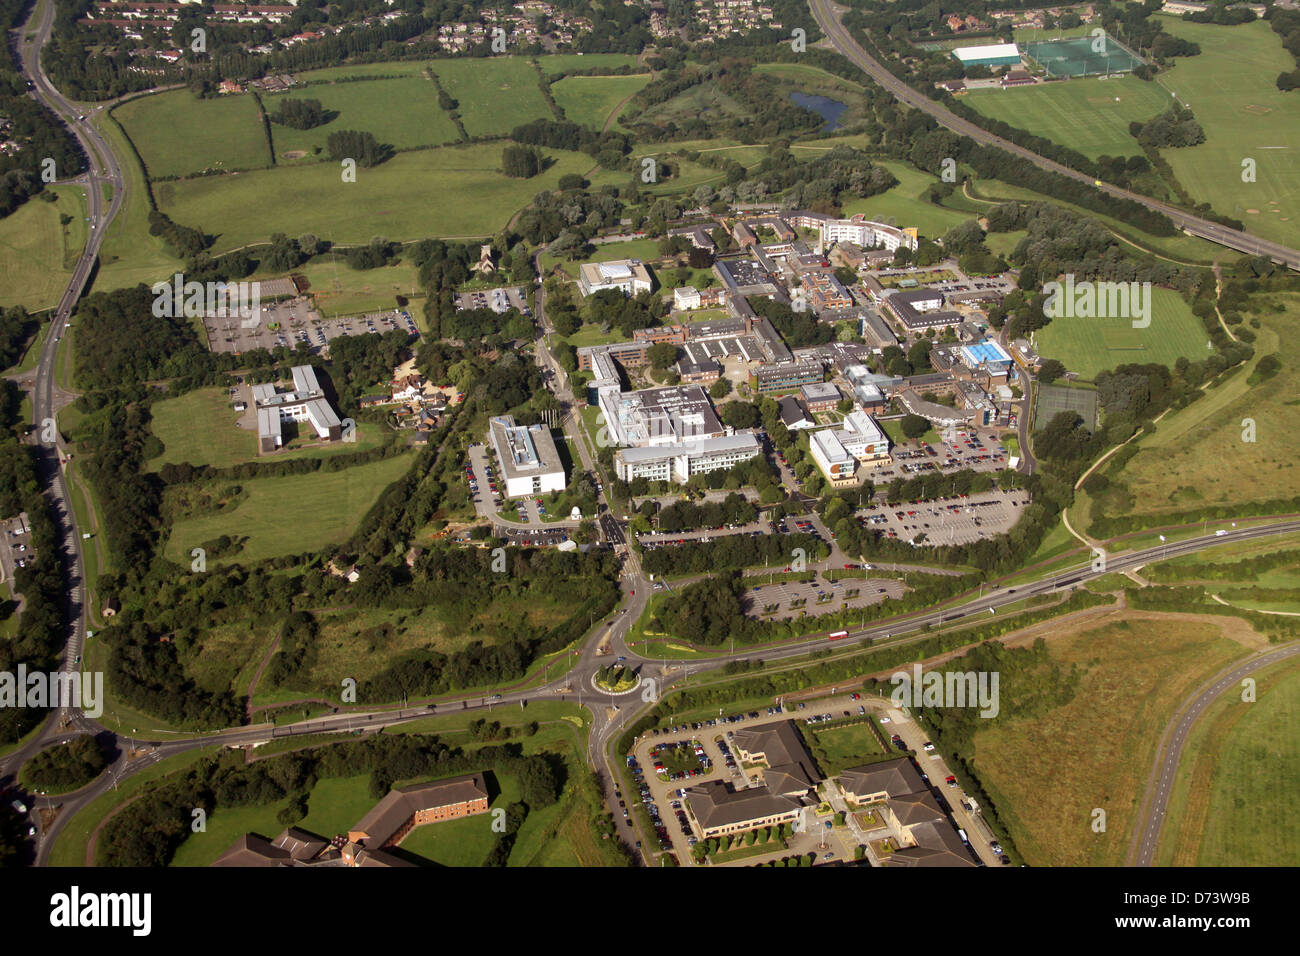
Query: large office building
[787, 375]
[832, 458]
[530, 463]
[304, 403]
[858, 230]
[790, 779]
[681, 460]
[660, 416]
[921, 309]
[925, 834]
[629, 276]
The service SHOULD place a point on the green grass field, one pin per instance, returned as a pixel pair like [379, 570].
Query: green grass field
[1230, 87]
[495, 95]
[292, 514]
[129, 254]
[412, 196]
[848, 746]
[402, 113]
[1091, 345]
[37, 252]
[1197, 456]
[176, 133]
[904, 206]
[1088, 114]
[563, 62]
[339, 290]
[590, 100]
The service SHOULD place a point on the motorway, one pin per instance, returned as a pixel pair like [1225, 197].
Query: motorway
[828, 18]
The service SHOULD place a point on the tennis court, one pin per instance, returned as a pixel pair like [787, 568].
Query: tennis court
[1054, 399]
[1083, 56]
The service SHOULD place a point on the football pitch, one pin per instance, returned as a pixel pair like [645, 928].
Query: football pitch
[1092, 345]
[1088, 114]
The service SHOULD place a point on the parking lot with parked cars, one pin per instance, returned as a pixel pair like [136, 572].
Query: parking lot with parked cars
[963, 450]
[297, 322]
[819, 596]
[956, 519]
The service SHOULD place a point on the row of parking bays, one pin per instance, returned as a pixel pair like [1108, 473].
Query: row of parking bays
[819, 596]
[956, 519]
[290, 324]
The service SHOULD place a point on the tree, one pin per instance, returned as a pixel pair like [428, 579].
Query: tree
[1051, 370]
[520, 162]
[661, 355]
[720, 389]
[914, 426]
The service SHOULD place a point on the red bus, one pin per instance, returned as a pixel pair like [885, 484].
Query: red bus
[837, 635]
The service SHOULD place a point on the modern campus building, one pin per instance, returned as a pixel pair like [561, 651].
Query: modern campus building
[839, 451]
[680, 461]
[987, 355]
[921, 309]
[858, 230]
[832, 457]
[304, 403]
[370, 839]
[660, 416]
[530, 463]
[629, 276]
[790, 779]
[895, 790]
[820, 396]
[994, 54]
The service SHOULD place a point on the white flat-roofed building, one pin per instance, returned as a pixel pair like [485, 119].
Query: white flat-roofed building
[529, 460]
[679, 461]
[832, 457]
[862, 438]
[659, 416]
[305, 403]
[993, 54]
[629, 276]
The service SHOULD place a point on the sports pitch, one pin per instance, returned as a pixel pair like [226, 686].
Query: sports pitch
[1083, 56]
[1054, 399]
[1092, 345]
[1088, 114]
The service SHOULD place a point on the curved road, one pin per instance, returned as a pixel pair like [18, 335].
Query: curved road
[1160, 788]
[828, 18]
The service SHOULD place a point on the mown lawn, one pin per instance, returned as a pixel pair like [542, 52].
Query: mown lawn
[493, 96]
[1092, 345]
[1088, 114]
[402, 113]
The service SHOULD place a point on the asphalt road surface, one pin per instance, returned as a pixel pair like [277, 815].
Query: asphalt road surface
[1160, 788]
